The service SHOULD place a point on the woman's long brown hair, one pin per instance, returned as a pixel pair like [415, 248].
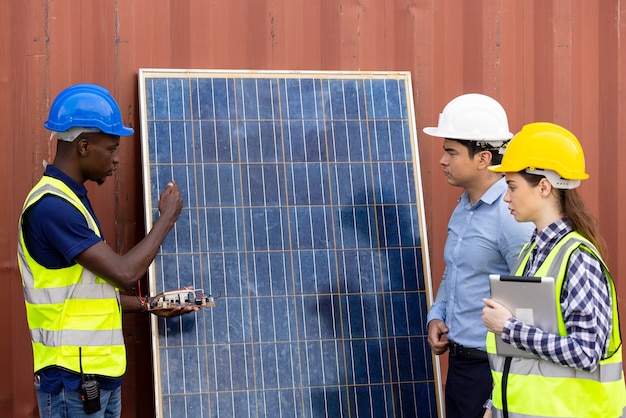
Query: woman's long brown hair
[574, 209]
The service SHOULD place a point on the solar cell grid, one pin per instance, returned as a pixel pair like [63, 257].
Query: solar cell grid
[303, 216]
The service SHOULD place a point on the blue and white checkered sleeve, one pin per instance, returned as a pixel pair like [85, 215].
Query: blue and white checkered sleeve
[586, 307]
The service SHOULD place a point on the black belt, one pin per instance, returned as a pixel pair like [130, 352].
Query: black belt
[460, 351]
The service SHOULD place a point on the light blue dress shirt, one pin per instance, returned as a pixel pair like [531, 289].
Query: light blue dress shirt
[482, 239]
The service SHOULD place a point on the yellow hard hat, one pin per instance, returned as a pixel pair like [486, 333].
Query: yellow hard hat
[544, 146]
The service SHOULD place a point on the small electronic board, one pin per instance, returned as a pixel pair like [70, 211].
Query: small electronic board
[180, 298]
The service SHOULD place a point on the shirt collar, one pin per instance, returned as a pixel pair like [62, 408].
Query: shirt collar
[493, 194]
[76, 187]
[551, 233]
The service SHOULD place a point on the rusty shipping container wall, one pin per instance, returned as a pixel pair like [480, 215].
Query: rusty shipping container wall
[559, 61]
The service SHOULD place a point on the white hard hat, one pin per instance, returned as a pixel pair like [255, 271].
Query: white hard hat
[473, 117]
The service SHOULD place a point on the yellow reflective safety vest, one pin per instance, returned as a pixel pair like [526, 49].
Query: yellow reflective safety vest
[70, 310]
[540, 388]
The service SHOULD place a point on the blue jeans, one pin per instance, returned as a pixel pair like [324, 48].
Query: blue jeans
[67, 404]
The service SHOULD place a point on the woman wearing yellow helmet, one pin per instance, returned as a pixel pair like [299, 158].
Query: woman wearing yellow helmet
[577, 372]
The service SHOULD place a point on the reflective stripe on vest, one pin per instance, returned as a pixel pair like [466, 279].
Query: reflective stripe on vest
[70, 307]
[540, 388]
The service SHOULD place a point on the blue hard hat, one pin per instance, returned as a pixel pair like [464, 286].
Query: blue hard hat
[86, 106]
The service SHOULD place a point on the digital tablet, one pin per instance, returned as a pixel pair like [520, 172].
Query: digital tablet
[532, 300]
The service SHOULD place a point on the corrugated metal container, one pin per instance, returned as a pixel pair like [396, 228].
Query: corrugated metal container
[559, 61]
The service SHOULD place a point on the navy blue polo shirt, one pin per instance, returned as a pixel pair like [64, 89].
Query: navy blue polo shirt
[55, 232]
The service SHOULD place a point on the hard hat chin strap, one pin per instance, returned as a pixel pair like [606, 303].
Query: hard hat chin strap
[490, 145]
[554, 178]
[72, 133]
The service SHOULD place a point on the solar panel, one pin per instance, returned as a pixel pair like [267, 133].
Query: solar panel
[303, 218]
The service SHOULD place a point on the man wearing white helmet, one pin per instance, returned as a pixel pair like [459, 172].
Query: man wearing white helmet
[483, 238]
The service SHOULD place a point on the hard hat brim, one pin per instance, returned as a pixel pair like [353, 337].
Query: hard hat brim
[441, 133]
[503, 168]
[432, 131]
[498, 168]
[124, 131]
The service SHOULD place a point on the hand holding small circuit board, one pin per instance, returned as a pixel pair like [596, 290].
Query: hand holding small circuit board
[186, 297]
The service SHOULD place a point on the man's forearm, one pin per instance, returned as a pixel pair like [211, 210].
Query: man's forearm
[131, 304]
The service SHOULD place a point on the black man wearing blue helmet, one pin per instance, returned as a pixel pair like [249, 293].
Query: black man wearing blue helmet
[71, 277]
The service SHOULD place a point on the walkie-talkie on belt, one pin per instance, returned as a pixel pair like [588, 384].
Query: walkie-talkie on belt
[89, 388]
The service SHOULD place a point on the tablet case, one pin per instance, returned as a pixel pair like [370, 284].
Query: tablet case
[531, 300]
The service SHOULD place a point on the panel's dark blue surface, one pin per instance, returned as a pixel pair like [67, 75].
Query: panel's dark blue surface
[302, 216]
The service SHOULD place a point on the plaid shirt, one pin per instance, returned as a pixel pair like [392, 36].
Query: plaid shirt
[585, 303]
